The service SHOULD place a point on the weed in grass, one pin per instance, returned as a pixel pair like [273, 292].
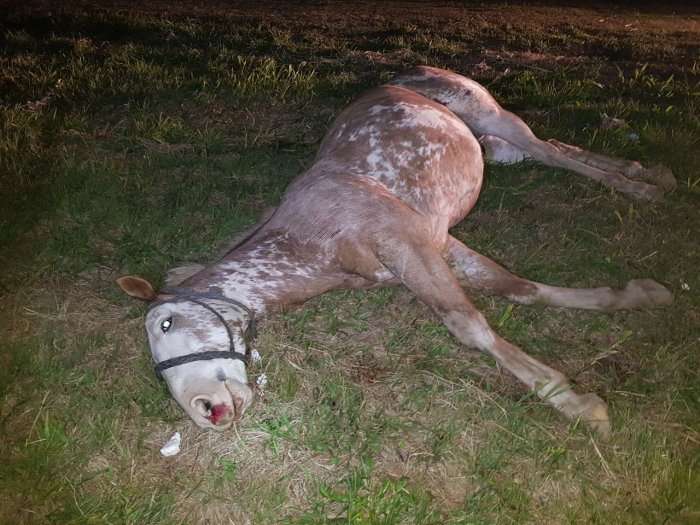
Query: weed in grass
[277, 429]
[362, 499]
[228, 466]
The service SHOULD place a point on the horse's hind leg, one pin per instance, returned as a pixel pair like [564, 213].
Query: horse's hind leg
[481, 112]
[507, 126]
[628, 168]
[659, 175]
[479, 272]
[501, 151]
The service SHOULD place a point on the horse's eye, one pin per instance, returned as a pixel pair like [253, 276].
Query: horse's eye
[165, 325]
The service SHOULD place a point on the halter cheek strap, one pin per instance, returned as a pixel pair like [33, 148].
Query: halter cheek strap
[214, 294]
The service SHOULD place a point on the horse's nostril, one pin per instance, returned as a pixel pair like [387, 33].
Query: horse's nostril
[203, 406]
[217, 414]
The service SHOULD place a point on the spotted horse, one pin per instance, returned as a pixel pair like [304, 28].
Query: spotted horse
[397, 169]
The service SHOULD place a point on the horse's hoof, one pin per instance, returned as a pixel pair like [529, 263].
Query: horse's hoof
[647, 192]
[594, 413]
[647, 293]
[660, 176]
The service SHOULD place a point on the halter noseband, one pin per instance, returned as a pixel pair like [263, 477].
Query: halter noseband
[214, 294]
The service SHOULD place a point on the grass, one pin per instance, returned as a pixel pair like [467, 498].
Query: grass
[131, 140]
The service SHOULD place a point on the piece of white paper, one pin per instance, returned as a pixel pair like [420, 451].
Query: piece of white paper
[172, 447]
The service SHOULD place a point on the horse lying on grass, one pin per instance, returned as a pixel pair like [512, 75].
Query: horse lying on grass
[396, 170]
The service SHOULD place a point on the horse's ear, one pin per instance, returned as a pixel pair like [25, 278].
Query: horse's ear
[136, 287]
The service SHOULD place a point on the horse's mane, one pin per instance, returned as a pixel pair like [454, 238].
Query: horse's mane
[178, 274]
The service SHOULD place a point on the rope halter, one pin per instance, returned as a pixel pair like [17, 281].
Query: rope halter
[213, 294]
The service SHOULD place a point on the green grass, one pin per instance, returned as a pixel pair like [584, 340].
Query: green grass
[133, 140]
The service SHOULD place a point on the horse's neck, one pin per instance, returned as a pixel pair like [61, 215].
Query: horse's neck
[267, 274]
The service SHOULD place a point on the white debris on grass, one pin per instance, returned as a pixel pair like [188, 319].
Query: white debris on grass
[172, 447]
[611, 123]
[261, 381]
[685, 286]
[255, 356]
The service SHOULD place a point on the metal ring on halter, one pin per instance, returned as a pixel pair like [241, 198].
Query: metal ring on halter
[214, 294]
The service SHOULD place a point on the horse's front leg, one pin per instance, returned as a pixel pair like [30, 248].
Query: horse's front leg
[412, 257]
[479, 272]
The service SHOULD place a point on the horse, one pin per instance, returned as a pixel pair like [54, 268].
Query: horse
[396, 170]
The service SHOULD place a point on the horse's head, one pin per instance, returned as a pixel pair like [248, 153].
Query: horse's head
[198, 341]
